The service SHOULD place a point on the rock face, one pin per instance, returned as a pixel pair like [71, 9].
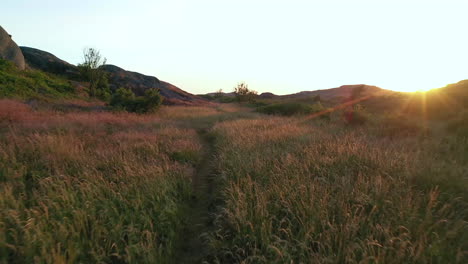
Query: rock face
[139, 83]
[47, 62]
[10, 51]
[119, 77]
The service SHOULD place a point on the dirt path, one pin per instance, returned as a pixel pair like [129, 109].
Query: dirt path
[193, 245]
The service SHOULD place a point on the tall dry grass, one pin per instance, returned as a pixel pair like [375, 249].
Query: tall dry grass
[294, 192]
[99, 187]
[104, 187]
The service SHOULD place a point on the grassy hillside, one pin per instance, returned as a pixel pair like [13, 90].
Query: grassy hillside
[32, 84]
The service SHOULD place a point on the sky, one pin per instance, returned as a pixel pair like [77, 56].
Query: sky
[274, 46]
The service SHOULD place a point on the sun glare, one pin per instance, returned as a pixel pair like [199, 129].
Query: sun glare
[421, 90]
[411, 89]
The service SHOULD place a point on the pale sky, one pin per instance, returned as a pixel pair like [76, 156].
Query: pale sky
[276, 46]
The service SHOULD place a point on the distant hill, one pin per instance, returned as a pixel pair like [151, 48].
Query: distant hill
[339, 93]
[118, 77]
[440, 103]
[332, 94]
[139, 83]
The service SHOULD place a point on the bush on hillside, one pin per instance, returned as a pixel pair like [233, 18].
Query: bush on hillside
[289, 109]
[356, 116]
[92, 72]
[104, 92]
[152, 100]
[124, 99]
[244, 94]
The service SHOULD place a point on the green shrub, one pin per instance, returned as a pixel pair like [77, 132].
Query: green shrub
[92, 72]
[289, 109]
[124, 99]
[152, 100]
[317, 107]
[103, 90]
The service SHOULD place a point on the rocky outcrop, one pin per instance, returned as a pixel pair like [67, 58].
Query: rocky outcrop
[139, 83]
[47, 62]
[10, 51]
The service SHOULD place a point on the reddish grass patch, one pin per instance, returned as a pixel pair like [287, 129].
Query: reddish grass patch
[13, 111]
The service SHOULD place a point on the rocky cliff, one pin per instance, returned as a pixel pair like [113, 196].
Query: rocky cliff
[10, 51]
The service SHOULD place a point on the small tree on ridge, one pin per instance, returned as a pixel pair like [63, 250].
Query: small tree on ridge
[90, 71]
[244, 94]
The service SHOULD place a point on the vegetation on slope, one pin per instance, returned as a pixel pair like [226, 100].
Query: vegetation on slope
[29, 84]
[125, 99]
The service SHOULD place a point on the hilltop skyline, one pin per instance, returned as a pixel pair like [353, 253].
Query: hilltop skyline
[274, 46]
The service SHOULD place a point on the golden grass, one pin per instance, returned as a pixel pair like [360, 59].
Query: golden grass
[300, 193]
[178, 112]
[91, 187]
[104, 187]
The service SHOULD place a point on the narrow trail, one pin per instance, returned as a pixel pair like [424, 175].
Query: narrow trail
[193, 245]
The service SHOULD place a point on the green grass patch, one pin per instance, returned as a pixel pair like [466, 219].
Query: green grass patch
[31, 84]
